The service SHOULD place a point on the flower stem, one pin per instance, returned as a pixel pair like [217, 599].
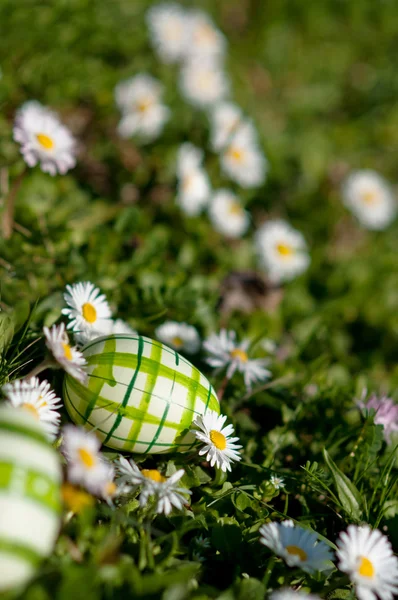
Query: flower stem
[268, 572]
[46, 364]
[222, 388]
[9, 206]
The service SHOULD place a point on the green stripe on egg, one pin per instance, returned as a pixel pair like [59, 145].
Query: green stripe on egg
[141, 395]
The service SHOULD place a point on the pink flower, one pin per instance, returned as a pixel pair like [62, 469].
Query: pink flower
[386, 412]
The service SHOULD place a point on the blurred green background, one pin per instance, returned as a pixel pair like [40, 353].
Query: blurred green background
[320, 82]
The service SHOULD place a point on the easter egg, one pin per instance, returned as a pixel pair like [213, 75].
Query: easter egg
[30, 498]
[141, 396]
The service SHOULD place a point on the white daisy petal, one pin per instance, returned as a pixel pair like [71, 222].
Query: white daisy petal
[219, 446]
[180, 336]
[69, 358]
[370, 198]
[86, 466]
[44, 139]
[193, 190]
[203, 82]
[227, 214]
[242, 160]
[168, 28]
[89, 313]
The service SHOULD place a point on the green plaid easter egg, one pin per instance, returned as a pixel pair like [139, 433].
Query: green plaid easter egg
[30, 497]
[141, 395]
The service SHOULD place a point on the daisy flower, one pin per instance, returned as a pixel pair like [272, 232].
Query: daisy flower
[370, 198]
[297, 546]
[366, 555]
[225, 352]
[227, 214]
[204, 39]
[86, 467]
[39, 399]
[282, 250]
[180, 336]
[224, 120]
[165, 490]
[242, 160]
[68, 357]
[203, 82]
[139, 100]
[193, 189]
[120, 326]
[220, 448]
[168, 28]
[277, 482]
[290, 594]
[44, 139]
[88, 312]
[106, 488]
[386, 413]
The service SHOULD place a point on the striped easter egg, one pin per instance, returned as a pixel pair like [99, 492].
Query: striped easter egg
[141, 395]
[30, 499]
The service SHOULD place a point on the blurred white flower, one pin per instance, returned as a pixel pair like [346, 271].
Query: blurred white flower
[37, 398]
[370, 198]
[290, 594]
[204, 39]
[88, 312]
[44, 139]
[165, 490]
[180, 336]
[120, 326]
[193, 191]
[224, 120]
[225, 352]
[203, 82]
[282, 250]
[220, 448]
[227, 214]
[277, 482]
[367, 556]
[168, 25]
[86, 466]
[242, 160]
[68, 357]
[298, 547]
[139, 100]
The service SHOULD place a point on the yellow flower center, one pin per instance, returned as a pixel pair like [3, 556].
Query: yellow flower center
[370, 197]
[177, 341]
[87, 458]
[110, 489]
[284, 250]
[74, 499]
[154, 475]
[236, 154]
[31, 409]
[296, 551]
[366, 568]
[239, 354]
[89, 312]
[218, 439]
[187, 182]
[144, 104]
[67, 351]
[45, 141]
[235, 209]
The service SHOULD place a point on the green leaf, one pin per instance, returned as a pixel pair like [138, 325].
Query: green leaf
[348, 494]
[251, 589]
[6, 331]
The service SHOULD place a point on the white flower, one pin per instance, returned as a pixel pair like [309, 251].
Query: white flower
[180, 336]
[298, 547]
[366, 555]
[225, 352]
[203, 82]
[204, 39]
[193, 191]
[224, 120]
[167, 494]
[168, 28]
[86, 467]
[290, 594]
[39, 399]
[69, 358]
[277, 482]
[89, 312]
[227, 214]
[282, 250]
[220, 448]
[139, 100]
[105, 487]
[120, 326]
[242, 160]
[370, 198]
[44, 139]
